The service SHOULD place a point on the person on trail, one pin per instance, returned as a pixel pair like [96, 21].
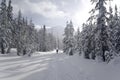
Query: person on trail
[57, 51]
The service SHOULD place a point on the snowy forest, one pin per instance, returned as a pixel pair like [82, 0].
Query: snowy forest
[39, 52]
[100, 35]
[99, 38]
[20, 33]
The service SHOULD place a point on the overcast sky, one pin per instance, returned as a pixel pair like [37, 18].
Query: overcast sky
[54, 12]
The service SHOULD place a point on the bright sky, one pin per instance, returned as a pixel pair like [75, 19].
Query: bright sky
[55, 12]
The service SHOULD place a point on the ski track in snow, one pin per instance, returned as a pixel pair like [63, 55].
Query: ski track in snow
[42, 67]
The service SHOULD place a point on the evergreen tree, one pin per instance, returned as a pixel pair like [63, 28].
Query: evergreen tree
[78, 40]
[101, 30]
[18, 33]
[116, 30]
[10, 30]
[31, 37]
[3, 25]
[88, 41]
[112, 35]
[68, 40]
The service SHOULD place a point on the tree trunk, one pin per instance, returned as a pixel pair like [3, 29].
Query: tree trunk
[71, 52]
[103, 55]
[24, 51]
[18, 51]
[8, 50]
[2, 48]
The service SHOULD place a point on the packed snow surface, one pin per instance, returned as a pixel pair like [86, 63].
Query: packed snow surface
[52, 66]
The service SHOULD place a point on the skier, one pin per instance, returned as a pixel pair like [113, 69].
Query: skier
[57, 51]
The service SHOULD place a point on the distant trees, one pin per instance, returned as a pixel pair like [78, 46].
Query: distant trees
[51, 42]
[20, 33]
[46, 41]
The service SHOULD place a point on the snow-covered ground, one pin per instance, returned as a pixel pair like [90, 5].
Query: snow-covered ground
[52, 66]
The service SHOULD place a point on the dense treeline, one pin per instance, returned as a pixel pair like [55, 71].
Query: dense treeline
[20, 33]
[100, 35]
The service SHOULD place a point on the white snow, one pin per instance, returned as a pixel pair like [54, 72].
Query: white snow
[52, 66]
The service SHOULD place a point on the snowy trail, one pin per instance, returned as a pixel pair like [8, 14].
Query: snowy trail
[44, 67]
[52, 66]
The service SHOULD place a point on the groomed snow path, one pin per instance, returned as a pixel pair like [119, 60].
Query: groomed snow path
[39, 67]
[52, 66]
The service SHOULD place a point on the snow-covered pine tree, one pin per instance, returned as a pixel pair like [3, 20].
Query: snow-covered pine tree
[3, 25]
[101, 30]
[68, 40]
[77, 41]
[31, 44]
[24, 37]
[87, 41]
[39, 39]
[18, 33]
[111, 33]
[81, 40]
[116, 30]
[10, 29]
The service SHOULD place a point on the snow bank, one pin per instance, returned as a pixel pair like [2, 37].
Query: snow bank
[97, 71]
[115, 61]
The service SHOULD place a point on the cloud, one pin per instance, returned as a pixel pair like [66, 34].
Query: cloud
[53, 12]
[56, 12]
[44, 8]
